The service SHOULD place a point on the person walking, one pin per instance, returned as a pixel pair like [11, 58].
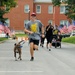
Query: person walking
[55, 32]
[35, 29]
[49, 36]
[42, 41]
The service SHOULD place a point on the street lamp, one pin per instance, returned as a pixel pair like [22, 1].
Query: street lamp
[29, 14]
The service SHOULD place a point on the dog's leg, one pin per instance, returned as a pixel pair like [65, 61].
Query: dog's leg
[20, 54]
[15, 53]
[15, 56]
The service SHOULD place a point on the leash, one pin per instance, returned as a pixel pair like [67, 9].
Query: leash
[22, 43]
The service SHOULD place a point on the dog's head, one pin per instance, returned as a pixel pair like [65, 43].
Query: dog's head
[17, 45]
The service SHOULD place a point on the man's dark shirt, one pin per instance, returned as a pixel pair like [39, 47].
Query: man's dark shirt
[50, 31]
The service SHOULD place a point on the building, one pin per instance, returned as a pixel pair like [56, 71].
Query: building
[45, 11]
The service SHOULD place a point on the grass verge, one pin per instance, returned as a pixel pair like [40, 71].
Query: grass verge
[21, 35]
[3, 39]
[69, 40]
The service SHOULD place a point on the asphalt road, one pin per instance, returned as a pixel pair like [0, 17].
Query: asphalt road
[58, 61]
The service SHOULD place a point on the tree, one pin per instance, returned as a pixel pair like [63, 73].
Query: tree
[70, 7]
[5, 6]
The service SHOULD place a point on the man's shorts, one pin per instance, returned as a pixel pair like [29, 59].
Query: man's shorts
[36, 42]
[49, 39]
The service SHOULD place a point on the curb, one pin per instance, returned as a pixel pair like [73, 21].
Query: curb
[68, 43]
[2, 42]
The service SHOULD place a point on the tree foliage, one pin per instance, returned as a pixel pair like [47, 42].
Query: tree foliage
[56, 2]
[70, 7]
[5, 6]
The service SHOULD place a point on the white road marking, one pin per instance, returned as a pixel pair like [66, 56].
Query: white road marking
[21, 71]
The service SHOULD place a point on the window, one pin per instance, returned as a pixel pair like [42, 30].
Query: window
[38, 9]
[63, 0]
[64, 22]
[50, 0]
[50, 21]
[26, 9]
[66, 9]
[50, 9]
[62, 9]
[7, 22]
[25, 21]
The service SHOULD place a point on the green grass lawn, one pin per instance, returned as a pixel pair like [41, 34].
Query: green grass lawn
[69, 40]
[3, 39]
[21, 35]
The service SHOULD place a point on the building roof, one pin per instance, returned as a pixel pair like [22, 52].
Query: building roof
[36, 1]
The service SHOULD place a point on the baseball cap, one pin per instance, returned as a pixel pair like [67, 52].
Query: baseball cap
[33, 14]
